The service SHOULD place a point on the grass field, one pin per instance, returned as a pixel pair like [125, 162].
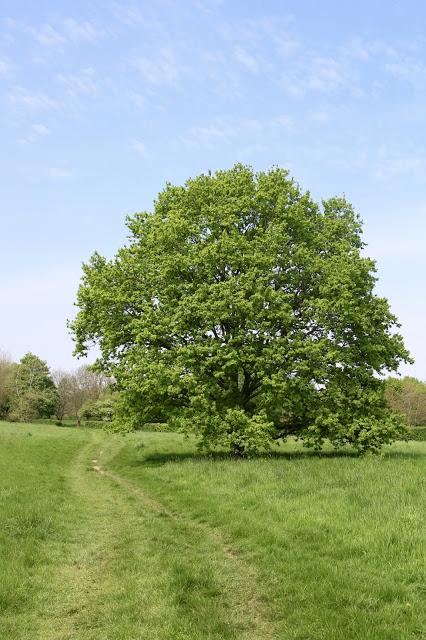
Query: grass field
[122, 538]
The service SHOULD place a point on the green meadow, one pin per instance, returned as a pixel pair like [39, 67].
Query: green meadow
[128, 537]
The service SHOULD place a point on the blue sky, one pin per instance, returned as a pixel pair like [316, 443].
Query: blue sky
[101, 103]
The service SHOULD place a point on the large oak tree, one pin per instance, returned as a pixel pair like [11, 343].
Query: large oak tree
[243, 311]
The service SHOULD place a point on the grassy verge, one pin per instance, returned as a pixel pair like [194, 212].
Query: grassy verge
[165, 543]
[88, 558]
[338, 542]
[35, 507]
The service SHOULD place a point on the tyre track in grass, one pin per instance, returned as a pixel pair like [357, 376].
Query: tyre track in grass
[134, 569]
[81, 577]
[248, 601]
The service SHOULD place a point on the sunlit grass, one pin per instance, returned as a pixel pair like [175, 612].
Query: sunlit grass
[339, 541]
[180, 545]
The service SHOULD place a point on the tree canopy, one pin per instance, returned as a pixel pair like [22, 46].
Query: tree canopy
[244, 311]
[76, 389]
[34, 393]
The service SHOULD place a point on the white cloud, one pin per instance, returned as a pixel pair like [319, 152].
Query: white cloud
[364, 50]
[48, 36]
[320, 116]
[402, 61]
[4, 67]
[253, 133]
[407, 69]
[20, 97]
[311, 72]
[326, 74]
[38, 130]
[164, 69]
[56, 173]
[261, 35]
[84, 83]
[130, 15]
[140, 147]
[322, 75]
[207, 6]
[285, 44]
[61, 32]
[246, 60]
[81, 31]
[137, 99]
[399, 165]
[381, 163]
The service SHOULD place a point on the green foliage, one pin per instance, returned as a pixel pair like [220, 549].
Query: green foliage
[102, 410]
[416, 433]
[156, 427]
[78, 389]
[408, 396]
[7, 372]
[34, 393]
[245, 312]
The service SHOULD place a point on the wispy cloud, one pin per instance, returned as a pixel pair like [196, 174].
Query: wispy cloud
[60, 32]
[207, 6]
[140, 147]
[319, 116]
[365, 50]
[399, 164]
[84, 83]
[162, 69]
[262, 33]
[56, 173]
[246, 60]
[326, 74]
[47, 35]
[20, 97]
[137, 99]
[5, 66]
[285, 44]
[82, 31]
[408, 69]
[132, 15]
[381, 163]
[316, 74]
[253, 133]
[37, 131]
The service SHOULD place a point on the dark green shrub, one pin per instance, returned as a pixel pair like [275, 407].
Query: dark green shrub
[156, 427]
[417, 433]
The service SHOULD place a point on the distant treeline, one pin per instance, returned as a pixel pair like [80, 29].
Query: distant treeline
[408, 396]
[30, 391]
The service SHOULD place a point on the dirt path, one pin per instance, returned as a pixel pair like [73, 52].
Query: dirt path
[138, 570]
[247, 594]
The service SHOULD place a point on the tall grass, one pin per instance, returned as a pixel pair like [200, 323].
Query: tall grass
[167, 543]
[339, 541]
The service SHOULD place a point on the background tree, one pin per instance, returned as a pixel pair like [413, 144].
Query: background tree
[408, 396]
[65, 387]
[246, 312]
[101, 410]
[7, 369]
[34, 393]
[76, 389]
